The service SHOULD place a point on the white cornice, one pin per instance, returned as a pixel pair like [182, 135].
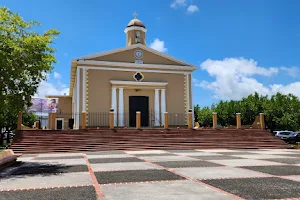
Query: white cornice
[116, 82]
[137, 28]
[133, 65]
[144, 47]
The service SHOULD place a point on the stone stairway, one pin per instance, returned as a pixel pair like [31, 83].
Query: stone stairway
[45, 141]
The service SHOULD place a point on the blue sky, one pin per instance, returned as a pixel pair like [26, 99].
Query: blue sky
[240, 46]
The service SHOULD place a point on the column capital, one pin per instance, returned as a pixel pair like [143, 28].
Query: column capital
[120, 88]
[156, 89]
[163, 89]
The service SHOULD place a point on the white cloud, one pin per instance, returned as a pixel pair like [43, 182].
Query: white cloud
[178, 3]
[47, 88]
[292, 88]
[192, 8]
[234, 79]
[292, 71]
[57, 75]
[158, 45]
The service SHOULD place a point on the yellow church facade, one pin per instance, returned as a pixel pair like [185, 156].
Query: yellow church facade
[126, 80]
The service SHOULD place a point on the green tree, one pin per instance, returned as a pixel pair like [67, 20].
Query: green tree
[26, 57]
[29, 118]
[205, 116]
[282, 112]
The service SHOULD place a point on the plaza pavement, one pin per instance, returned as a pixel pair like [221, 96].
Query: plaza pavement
[155, 174]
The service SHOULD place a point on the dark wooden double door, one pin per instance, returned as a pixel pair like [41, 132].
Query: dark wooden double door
[139, 103]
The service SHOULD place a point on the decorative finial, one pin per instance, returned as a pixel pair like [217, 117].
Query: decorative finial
[134, 15]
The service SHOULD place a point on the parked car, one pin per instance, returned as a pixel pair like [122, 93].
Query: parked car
[295, 138]
[285, 134]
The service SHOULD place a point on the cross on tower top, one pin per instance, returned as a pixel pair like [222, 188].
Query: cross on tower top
[134, 15]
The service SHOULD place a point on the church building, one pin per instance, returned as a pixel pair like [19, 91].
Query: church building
[125, 80]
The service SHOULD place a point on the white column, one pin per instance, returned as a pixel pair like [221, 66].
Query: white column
[163, 104]
[77, 97]
[188, 91]
[192, 98]
[156, 107]
[114, 103]
[83, 89]
[121, 107]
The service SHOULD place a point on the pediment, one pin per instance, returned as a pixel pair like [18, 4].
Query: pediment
[127, 55]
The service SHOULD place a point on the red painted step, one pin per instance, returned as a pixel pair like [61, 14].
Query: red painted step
[38, 141]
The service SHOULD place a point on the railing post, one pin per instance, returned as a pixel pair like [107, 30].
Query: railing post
[53, 117]
[166, 120]
[19, 125]
[138, 119]
[83, 120]
[190, 119]
[111, 119]
[238, 121]
[214, 116]
[262, 120]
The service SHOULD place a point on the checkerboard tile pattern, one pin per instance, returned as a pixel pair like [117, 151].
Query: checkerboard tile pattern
[155, 174]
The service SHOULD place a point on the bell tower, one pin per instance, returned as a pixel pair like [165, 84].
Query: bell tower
[135, 32]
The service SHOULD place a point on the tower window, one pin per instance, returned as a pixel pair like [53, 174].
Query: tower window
[137, 37]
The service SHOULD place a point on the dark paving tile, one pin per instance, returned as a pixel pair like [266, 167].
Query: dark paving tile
[177, 164]
[5, 171]
[258, 188]
[78, 193]
[105, 152]
[284, 160]
[37, 168]
[161, 154]
[283, 170]
[215, 157]
[182, 151]
[135, 176]
[114, 160]
[58, 158]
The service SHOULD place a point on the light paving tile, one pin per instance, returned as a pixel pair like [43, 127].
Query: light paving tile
[217, 172]
[60, 154]
[41, 181]
[259, 156]
[245, 162]
[24, 159]
[109, 156]
[123, 166]
[198, 154]
[146, 152]
[176, 190]
[165, 158]
[216, 150]
[281, 151]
